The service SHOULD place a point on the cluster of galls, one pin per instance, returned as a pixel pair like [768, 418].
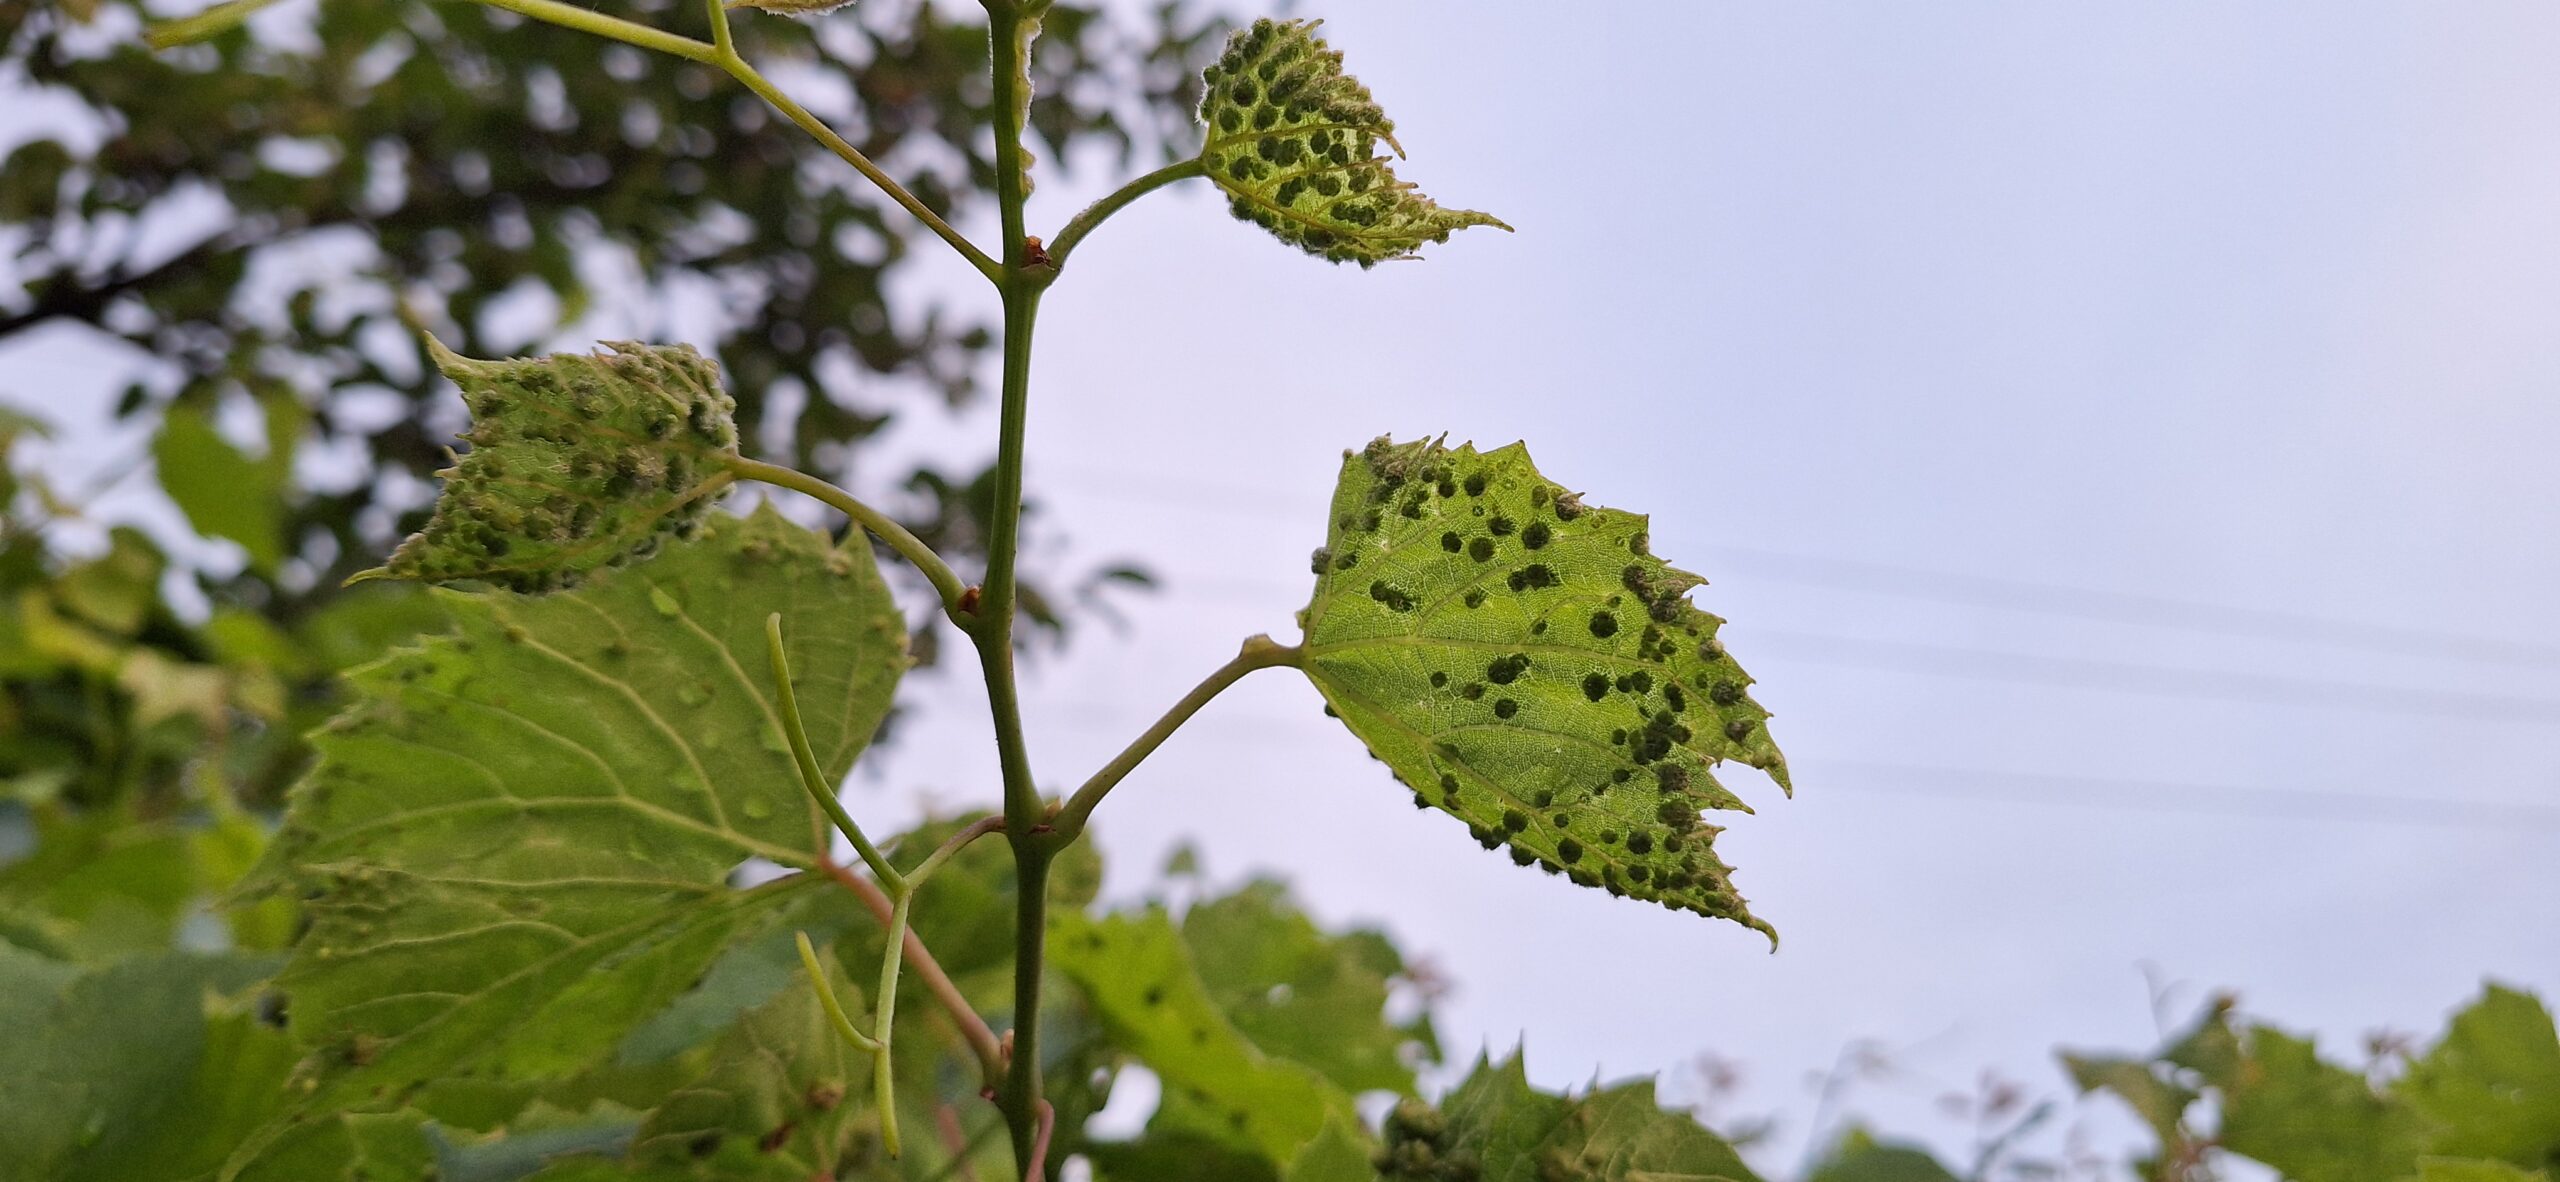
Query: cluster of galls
[1293, 140]
[576, 463]
[1417, 1148]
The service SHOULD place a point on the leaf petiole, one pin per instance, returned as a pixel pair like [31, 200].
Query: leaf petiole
[946, 583]
[1258, 652]
[1100, 211]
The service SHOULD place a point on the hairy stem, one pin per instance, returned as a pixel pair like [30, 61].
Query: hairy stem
[1100, 211]
[1258, 652]
[910, 547]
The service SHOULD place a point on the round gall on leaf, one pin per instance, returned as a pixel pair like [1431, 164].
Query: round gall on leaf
[1294, 142]
[577, 462]
[1608, 725]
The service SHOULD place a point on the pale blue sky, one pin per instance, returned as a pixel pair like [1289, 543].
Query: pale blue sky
[2243, 304]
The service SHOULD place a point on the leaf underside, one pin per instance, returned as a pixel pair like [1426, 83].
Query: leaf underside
[1524, 663]
[1294, 142]
[517, 842]
[577, 462]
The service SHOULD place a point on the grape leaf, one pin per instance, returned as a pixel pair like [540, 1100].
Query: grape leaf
[119, 1073]
[224, 493]
[781, 1098]
[1294, 142]
[1496, 1127]
[2455, 1169]
[577, 462]
[1304, 994]
[516, 844]
[2493, 1084]
[1525, 664]
[1860, 1157]
[1218, 1086]
[2313, 1121]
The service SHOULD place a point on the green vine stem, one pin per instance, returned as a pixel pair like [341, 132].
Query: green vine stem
[811, 778]
[827, 999]
[945, 582]
[1100, 211]
[1008, 23]
[1258, 652]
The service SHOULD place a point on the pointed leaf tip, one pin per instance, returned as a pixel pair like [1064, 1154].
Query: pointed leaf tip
[1294, 142]
[577, 462]
[1524, 663]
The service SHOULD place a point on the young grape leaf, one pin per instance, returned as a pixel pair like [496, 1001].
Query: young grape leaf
[577, 462]
[1294, 142]
[1523, 662]
[516, 845]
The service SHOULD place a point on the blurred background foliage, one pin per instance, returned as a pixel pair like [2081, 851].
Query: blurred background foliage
[513, 178]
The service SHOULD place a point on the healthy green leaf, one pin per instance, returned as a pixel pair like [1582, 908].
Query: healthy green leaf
[1338, 1154]
[1301, 993]
[118, 1074]
[2493, 1084]
[1523, 662]
[2455, 1169]
[516, 845]
[576, 463]
[1859, 1157]
[2313, 1121]
[1294, 142]
[224, 493]
[1217, 1086]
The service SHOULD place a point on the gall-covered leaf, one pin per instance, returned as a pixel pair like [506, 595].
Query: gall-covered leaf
[1524, 663]
[577, 462]
[1294, 142]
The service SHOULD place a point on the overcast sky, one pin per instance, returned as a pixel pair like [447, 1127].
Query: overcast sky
[2119, 436]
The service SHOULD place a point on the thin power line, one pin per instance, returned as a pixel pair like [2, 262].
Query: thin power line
[2084, 673]
[2286, 804]
[1908, 582]
[1978, 664]
[2310, 805]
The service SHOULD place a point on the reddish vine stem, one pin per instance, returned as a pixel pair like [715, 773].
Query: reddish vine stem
[973, 1029]
[1038, 1167]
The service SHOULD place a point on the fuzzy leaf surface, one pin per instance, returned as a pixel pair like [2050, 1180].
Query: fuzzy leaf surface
[516, 843]
[1524, 663]
[577, 462]
[1294, 143]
